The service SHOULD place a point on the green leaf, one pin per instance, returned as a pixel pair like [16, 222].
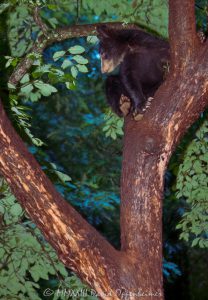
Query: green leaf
[16, 210]
[70, 85]
[187, 165]
[92, 39]
[197, 167]
[45, 88]
[2, 253]
[63, 177]
[204, 157]
[34, 55]
[82, 68]
[26, 89]
[35, 273]
[8, 63]
[34, 96]
[62, 269]
[41, 70]
[76, 49]
[2, 210]
[57, 55]
[106, 128]
[14, 61]
[66, 63]
[120, 123]
[4, 6]
[52, 6]
[53, 22]
[179, 226]
[80, 59]
[25, 78]
[74, 71]
[184, 236]
[120, 131]
[113, 135]
[11, 86]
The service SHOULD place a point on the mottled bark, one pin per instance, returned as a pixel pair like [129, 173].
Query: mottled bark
[182, 31]
[148, 145]
[78, 244]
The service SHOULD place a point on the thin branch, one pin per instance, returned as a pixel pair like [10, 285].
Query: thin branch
[58, 35]
[182, 31]
[39, 22]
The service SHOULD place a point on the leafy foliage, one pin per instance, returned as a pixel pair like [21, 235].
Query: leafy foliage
[32, 87]
[201, 14]
[25, 257]
[148, 13]
[3, 7]
[113, 126]
[76, 62]
[21, 30]
[192, 184]
[170, 268]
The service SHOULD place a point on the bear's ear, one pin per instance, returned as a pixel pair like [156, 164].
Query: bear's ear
[103, 31]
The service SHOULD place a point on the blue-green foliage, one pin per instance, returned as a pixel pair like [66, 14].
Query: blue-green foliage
[170, 269]
[201, 14]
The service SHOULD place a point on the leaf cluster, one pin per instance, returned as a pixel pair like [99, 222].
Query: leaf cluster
[192, 185]
[26, 259]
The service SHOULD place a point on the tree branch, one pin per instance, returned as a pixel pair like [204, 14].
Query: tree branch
[58, 35]
[39, 22]
[79, 246]
[184, 42]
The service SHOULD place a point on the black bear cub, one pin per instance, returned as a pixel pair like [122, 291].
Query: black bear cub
[141, 59]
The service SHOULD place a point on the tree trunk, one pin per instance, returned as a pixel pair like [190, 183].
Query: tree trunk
[135, 271]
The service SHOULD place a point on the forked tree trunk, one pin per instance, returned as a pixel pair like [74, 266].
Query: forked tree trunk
[135, 272]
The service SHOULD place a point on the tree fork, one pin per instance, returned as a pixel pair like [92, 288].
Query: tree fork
[148, 145]
[79, 246]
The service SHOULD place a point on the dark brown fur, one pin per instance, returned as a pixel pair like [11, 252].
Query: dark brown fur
[141, 58]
